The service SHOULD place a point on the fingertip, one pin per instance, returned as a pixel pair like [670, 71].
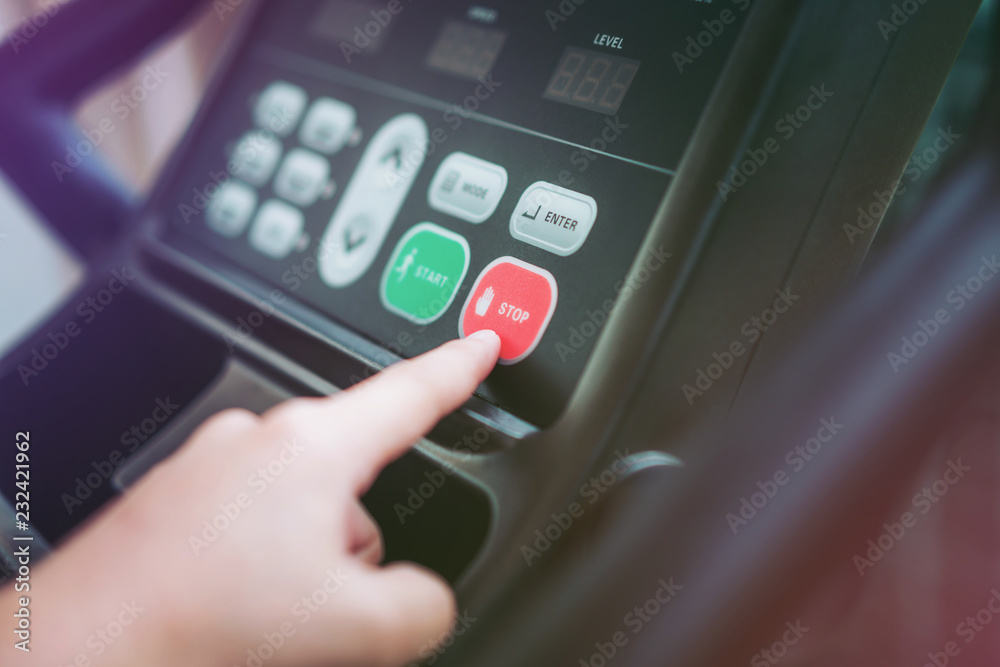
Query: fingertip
[424, 584]
[488, 345]
[485, 335]
[417, 609]
[382, 617]
[431, 592]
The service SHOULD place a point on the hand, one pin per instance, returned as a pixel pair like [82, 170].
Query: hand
[293, 564]
[483, 304]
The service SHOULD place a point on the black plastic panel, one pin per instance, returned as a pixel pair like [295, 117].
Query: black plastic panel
[511, 124]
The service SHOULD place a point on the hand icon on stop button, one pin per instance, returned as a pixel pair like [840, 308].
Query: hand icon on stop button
[483, 304]
[516, 300]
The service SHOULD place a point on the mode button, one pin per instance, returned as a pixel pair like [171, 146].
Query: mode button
[467, 187]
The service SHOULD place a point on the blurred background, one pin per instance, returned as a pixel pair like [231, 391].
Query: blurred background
[36, 270]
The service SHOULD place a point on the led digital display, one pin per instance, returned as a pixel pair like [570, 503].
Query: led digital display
[349, 26]
[466, 50]
[591, 80]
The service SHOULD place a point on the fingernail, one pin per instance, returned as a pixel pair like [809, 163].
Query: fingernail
[485, 335]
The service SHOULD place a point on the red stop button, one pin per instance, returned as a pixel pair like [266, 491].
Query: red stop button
[516, 300]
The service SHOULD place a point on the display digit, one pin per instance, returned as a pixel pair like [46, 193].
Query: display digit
[613, 96]
[564, 77]
[592, 80]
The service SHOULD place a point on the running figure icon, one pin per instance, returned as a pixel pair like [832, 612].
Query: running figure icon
[404, 268]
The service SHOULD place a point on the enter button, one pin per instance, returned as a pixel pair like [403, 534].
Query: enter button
[553, 218]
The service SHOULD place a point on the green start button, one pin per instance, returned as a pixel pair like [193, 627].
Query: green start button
[424, 273]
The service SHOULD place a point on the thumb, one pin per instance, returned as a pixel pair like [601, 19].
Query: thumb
[413, 610]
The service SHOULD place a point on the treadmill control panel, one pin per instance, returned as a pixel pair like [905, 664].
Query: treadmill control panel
[414, 173]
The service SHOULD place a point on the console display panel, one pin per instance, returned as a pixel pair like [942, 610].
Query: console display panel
[430, 170]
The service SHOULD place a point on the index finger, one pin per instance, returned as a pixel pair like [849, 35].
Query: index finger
[382, 417]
